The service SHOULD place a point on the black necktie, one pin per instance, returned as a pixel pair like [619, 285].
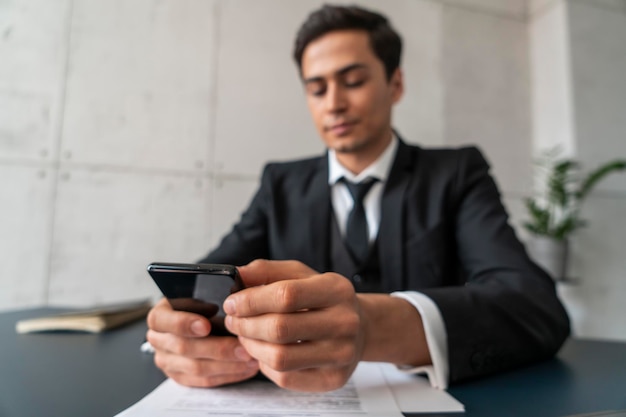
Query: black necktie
[357, 237]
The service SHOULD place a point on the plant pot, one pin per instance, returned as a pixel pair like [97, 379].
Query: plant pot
[551, 254]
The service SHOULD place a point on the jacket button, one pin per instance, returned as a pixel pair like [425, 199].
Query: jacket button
[357, 279]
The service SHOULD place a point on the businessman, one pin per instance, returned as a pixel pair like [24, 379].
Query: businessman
[376, 251]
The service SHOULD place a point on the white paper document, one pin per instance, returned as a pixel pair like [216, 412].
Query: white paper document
[368, 393]
[415, 395]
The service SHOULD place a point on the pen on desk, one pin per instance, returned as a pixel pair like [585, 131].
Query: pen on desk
[146, 347]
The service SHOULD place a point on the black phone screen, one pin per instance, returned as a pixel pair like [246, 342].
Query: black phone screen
[198, 288]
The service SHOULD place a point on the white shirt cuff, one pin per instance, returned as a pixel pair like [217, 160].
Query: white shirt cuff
[436, 338]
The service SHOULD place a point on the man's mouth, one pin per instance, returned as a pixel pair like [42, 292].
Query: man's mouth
[342, 128]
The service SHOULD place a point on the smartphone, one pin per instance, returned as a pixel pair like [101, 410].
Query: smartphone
[198, 288]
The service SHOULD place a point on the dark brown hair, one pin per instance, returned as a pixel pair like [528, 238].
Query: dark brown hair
[385, 42]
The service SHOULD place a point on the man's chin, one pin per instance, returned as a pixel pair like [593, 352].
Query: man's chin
[349, 146]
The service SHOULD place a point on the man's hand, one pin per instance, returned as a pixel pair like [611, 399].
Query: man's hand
[306, 329]
[186, 353]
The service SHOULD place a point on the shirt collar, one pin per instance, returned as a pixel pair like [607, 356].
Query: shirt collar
[378, 169]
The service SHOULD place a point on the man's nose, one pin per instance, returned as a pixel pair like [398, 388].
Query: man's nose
[336, 100]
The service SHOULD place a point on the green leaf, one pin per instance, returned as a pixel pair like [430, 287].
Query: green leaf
[540, 218]
[566, 227]
[558, 182]
[595, 176]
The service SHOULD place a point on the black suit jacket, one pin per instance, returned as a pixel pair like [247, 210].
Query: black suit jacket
[443, 232]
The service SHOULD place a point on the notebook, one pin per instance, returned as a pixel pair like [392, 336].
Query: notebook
[93, 320]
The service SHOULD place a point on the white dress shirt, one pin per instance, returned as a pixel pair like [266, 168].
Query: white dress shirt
[342, 202]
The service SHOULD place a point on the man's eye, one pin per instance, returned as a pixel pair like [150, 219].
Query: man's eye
[317, 92]
[354, 83]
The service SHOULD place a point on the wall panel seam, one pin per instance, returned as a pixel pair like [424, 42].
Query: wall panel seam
[125, 169]
[217, 20]
[55, 171]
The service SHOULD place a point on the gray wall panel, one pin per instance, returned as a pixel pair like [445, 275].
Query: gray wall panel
[109, 225]
[487, 100]
[33, 38]
[26, 208]
[140, 83]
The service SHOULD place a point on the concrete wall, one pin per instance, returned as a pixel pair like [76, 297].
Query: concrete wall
[135, 130]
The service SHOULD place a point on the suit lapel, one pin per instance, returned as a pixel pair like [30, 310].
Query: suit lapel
[318, 226]
[391, 232]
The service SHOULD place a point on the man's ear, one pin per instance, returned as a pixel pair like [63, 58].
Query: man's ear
[396, 83]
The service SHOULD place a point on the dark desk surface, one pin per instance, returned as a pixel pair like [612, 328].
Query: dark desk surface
[84, 375]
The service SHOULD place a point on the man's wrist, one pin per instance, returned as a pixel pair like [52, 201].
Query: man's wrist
[394, 331]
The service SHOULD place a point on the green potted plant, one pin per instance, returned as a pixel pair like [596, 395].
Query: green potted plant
[554, 214]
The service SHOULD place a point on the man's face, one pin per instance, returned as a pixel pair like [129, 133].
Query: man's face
[348, 93]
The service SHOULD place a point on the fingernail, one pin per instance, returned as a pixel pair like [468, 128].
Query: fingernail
[229, 307]
[197, 328]
[228, 322]
[241, 354]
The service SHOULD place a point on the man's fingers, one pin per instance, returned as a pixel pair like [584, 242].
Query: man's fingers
[310, 380]
[225, 348]
[205, 372]
[299, 356]
[209, 381]
[202, 362]
[307, 325]
[312, 292]
[163, 318]
[263, 272]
